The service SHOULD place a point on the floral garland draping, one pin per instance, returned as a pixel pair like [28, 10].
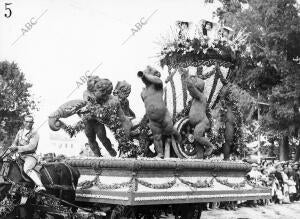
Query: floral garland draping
[231, 99]
[228, 98]
[73, 130]
[17, 190]
[231, 185]
[195, 49]
[96, 182]
[113, 186]
[255, 185]
[199, 184]
[6, 206]
[166, 185]
[107, 115]
[196, 52]
[87, 183]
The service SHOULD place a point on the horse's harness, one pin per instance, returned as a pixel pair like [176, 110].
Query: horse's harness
[4, 171]
[5, 180]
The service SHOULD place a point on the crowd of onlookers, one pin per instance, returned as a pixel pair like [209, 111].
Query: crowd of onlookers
[283, 178]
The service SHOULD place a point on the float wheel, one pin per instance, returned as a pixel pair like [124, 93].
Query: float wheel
[187, 148]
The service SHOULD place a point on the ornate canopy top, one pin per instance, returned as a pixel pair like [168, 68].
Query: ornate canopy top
[207, 44]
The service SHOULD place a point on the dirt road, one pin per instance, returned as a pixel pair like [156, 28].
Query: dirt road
[272, 211]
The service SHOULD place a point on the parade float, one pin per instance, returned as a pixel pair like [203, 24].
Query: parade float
[189, 135]
[148, 188]
[189, 175]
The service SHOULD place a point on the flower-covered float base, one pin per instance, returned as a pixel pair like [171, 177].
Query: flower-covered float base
[195, 48]
[168, 181]
[210, 58]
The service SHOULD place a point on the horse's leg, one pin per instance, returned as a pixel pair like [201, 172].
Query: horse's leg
[68, 176]
[101, 134]
[27, 211]
[91, 136]
[14, 214]
[229, 132]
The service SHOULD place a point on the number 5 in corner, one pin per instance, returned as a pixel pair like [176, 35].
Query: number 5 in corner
[7, 15]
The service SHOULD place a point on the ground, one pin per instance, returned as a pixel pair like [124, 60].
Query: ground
[272, 211]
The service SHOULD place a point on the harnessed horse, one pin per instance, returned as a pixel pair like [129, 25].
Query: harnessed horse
[59, 179]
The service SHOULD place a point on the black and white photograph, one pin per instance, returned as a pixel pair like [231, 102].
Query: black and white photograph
[148, 109]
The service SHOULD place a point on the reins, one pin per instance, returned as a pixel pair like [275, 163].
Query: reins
[5, 154]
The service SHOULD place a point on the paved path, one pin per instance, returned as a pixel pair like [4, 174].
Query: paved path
[272, 211]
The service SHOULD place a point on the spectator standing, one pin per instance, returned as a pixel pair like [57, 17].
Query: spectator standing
[86, 151]
[286, 197]
[292, 188]
[278, 184]
[297, 180]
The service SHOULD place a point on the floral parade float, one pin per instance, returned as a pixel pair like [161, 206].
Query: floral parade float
[135, 186]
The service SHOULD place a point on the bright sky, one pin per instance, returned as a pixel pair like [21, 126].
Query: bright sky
[72, 37]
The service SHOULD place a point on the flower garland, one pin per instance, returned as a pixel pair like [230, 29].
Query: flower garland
[229, 98]
[107, 115]
[178, 49]
[144, 136]
[87, 183]
[255, 185]
[198, 184]
[20, 189]
[207, 75]
[73, 130]
[184, 112]
[126, 145]
[96, 182]
[53, 203]
[7, 206]
[231, 185]
[157, 186]
[196, 49]
[113, 186]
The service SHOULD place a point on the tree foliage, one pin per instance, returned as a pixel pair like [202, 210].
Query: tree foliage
[273, 27]
[15, 100]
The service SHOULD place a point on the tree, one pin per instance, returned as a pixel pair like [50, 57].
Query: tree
[15, 101]
[270, 70]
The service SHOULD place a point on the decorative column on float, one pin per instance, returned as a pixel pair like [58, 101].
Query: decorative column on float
[183, 75]
[170, 78]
